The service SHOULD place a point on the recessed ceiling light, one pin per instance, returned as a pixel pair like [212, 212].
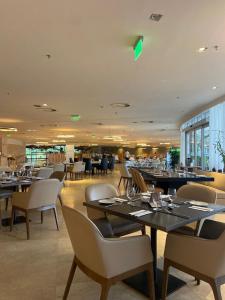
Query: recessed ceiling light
[155, 17]
[42, 143]
[214, 87]
[58, 141]
[66, 136]
[202, 49]
[45, 104]
[165, 143]
[120, 105]
[8, 129]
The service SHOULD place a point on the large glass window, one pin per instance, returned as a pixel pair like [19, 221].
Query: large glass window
[197, 147]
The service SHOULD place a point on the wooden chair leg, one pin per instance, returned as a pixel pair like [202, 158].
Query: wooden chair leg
[42, 217]
[6, 203]
[216, 290]
[70, 279]
[165, 279]
[56, 218]
[143, 230]
[27, 224]
[120, 182]
[151, 283]
[105, 291]
[60, 200]
[12, 218]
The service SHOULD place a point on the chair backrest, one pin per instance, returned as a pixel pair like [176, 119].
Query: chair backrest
[43, 193]
[45, 172]
[124, 172]
[96, 192]
[104, 163]
[78, 167]
[197, 192]
[58, 167]
[88, 164]
[111, 163]
[138, 180]
[60, 175]
[86, 240]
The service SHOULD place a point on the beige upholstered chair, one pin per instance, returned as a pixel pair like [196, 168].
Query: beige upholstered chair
[197, 193]
[119, 225]
[58, 168]
[125, 175]
[45, 172]
[201, 257]
[106, 260]
[60, 175]
[41, 196]
[78, 170]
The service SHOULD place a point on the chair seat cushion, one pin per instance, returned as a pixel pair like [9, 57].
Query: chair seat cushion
[122, 226]
[104, 227]
[5, 193]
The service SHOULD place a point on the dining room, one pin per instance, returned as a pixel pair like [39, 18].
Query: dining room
[112, 150]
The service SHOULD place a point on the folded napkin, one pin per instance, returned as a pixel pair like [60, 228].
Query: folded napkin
[121, 200]
[201, 208]
[140, 213]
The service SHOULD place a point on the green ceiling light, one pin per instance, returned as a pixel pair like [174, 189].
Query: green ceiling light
[75, 118]
[138, 47]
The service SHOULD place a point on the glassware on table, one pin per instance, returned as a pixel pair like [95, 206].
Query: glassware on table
[151, 188]
[130, 192]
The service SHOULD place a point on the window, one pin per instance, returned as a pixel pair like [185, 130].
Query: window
[197, 147]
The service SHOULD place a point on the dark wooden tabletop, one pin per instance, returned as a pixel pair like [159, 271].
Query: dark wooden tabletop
[165, 177]
[162, 220]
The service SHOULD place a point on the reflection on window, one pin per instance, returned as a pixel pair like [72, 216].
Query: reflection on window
[197, 147]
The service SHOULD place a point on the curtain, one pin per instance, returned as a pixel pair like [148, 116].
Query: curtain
[216, 132]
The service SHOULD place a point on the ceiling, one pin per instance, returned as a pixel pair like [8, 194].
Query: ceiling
[92, 66]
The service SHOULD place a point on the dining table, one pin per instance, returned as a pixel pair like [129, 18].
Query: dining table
[171, 180]
[181, 213]
[16, 184]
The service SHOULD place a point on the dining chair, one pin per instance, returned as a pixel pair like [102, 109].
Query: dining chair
[5, 195]
[60, 175]
[103, 167]
[195, 192]
[78, 170]
[88, 166]
[58, 167]
[119, 225]
[106, 261]
[139, 182]
[45, 172]
[202, 257]
[41, 196]
[125, 176]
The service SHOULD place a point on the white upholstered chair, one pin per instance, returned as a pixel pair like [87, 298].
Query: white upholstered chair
[42, 195]
[106, 261]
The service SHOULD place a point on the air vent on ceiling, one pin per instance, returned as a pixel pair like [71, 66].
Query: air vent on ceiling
[44, 107]
[155, 17]
[97, 123]
[149, 122]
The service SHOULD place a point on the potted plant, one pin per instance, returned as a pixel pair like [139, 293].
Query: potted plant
[174, 157]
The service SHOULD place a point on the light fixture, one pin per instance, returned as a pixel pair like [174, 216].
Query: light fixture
[58, 141]
[155, 17]
[65, 136]
[8, 129]
[138, 47]
[31, 130]
[120, 104]
[75, 118]
[44, 104]
[8, 120]
[214, 87]
[42, 143]
[202, 49]
[165, 143]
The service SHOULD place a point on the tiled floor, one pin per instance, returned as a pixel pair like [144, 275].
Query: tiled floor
[37, 269]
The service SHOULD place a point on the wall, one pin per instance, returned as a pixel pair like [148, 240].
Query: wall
[12, 148]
